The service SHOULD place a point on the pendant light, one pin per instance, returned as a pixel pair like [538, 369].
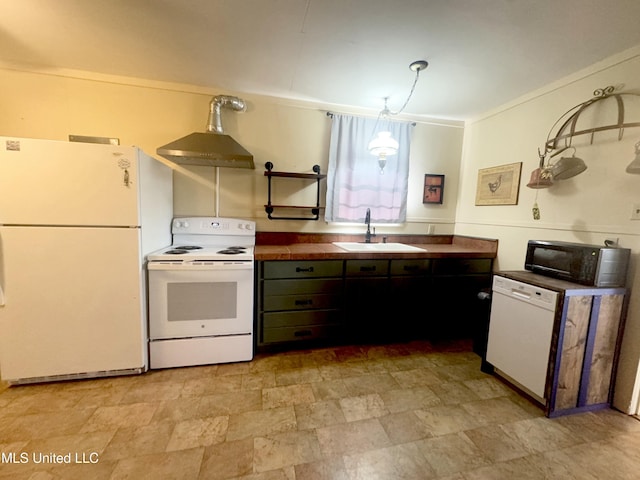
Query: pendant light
[384, 145]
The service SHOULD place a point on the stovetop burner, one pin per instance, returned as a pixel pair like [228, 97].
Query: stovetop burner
[182, 249]
[232, 250]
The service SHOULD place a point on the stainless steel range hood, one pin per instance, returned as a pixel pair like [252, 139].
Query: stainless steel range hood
[211, 148]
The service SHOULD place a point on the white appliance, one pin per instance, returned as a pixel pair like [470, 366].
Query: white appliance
[76, 220]
[201, 294]
[520, 329]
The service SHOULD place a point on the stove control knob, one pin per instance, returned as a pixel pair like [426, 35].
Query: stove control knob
[248, 226]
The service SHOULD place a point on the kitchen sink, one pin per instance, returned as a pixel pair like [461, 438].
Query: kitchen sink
[377, 247]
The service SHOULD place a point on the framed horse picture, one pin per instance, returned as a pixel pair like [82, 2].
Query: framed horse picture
[433, 188]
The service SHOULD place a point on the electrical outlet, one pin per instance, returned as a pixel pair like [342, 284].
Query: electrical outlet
[635, 213]
[610, 242]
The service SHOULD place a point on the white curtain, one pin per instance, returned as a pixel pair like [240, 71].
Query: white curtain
[354, 181]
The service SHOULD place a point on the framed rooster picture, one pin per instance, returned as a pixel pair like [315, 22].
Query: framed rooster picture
[499, 185]
[433, 188]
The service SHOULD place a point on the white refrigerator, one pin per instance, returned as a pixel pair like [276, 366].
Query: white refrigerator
[76, 221]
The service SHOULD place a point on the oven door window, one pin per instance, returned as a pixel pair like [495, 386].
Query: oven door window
[198, 303]
[201, 301]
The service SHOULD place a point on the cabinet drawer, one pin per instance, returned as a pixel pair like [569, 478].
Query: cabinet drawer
[303, 269]
[301, 318]
[361, 268]
[302, 302]
[292, 334]
[298, 287]
[416, 266]
[461, 266]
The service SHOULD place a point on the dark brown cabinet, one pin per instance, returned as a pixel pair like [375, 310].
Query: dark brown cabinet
[411, 288]
[367, 297]
[456, 283]
[367, 300]
[299, 300]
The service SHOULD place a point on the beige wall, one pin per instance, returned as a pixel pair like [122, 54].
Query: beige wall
[588, 208]
[292, 135]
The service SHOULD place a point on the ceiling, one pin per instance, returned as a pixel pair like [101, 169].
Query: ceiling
[352, 53]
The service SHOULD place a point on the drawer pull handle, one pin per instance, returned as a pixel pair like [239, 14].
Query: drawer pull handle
[300, 269]
[304, 302]
[368, 269]
[303, 333]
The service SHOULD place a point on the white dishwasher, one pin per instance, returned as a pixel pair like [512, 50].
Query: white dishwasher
[520, 329]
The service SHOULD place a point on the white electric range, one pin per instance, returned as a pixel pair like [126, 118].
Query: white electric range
[201, 293]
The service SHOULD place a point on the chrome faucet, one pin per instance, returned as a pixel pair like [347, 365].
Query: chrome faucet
[367, 221]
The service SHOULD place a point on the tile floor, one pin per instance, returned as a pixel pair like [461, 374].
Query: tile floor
[401, 411]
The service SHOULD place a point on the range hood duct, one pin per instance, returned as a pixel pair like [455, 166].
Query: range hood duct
[211, 148]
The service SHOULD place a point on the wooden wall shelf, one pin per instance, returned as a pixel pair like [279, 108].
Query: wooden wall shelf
[314, 209]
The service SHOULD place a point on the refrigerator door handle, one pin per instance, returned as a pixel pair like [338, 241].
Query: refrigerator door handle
[1, 297]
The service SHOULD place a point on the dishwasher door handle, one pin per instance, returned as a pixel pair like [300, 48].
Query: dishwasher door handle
[520, 295]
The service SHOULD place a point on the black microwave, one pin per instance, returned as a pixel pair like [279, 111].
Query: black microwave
[591, 265]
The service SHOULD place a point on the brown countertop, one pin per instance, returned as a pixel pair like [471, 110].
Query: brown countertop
[322, 249]
[549, 283]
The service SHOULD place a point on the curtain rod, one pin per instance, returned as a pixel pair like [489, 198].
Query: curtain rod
[330, 114]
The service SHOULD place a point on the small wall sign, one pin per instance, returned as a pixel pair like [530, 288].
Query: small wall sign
[433, 188]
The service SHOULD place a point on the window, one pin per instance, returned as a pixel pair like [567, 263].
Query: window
[354, 180]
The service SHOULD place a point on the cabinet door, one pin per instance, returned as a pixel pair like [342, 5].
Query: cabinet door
[367, 314]
[586, 355]
[412, 299]
[575, 328]
[458, 310]
[64, 314]
[413, 307]
[604, 349]
[68, 183]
